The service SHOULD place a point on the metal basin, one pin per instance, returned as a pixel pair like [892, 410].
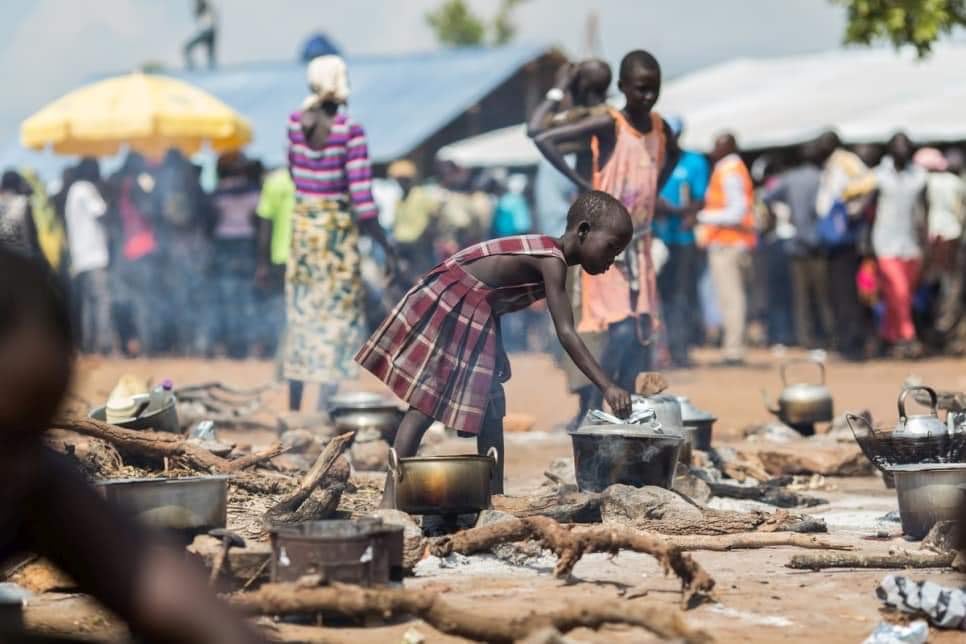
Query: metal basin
[609, 454]
[929, 493]
[442, 484]
[361, 411]
[162, 420]
[360, 552]
[188, 506]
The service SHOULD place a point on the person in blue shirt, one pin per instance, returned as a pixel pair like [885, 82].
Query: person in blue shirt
[677, 283]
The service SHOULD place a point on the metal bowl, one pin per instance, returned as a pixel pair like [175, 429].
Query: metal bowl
[189, 505]
[929, 493]
[162, 420]
[361, 410]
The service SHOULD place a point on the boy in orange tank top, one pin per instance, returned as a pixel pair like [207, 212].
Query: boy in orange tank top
[634, 154]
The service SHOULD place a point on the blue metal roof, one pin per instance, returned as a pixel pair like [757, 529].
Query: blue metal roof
[401, 100]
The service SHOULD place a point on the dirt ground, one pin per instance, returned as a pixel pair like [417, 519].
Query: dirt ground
[758, 598]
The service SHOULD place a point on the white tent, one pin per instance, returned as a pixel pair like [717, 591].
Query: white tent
[508, 146]
[866, 94]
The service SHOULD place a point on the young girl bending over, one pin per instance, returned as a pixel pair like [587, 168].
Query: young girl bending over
[440, 349]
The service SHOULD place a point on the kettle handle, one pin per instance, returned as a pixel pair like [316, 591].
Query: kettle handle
[787, 363]
[495, 455]
[933, 400]
[773, 410]
[394, 469]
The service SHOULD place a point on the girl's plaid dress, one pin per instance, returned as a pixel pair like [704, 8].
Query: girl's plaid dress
[440, 349]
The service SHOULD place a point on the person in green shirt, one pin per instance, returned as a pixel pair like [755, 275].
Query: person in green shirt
[275, 207]
[414, 221]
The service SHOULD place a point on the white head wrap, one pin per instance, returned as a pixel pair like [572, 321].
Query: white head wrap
[328, 79]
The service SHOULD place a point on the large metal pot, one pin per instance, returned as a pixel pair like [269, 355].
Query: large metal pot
[929, 493]
[635, 455]
[189, 506]
[697, 420]
[363, 411]
[802, 403]
[442, 484]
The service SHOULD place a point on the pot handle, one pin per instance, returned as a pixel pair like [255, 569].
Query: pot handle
[773, 410]
[855, 417]
[394, 469]
[933, 400]
[787, 363]
[495, 455]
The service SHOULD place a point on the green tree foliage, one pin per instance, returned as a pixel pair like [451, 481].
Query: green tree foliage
[455, 24]
[503, 28]
[919, 23]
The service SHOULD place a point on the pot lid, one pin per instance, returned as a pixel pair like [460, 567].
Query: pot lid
[926, 467]
[690, 413]
[647, 430]
[359, 400]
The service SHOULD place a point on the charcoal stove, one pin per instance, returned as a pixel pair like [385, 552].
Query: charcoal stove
[366, 552]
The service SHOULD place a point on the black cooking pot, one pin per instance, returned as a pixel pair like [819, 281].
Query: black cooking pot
[635, 455]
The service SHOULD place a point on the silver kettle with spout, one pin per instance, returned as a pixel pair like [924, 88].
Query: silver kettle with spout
[919, 424]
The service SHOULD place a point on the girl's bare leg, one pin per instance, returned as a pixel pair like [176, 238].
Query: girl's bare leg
[411, 429]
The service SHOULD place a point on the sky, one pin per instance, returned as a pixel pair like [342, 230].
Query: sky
[48, 47]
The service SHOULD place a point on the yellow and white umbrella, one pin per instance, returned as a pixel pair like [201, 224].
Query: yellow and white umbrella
[147, 113]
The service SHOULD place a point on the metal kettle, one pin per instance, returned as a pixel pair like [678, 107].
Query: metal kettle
[921, 424]
[803, 403]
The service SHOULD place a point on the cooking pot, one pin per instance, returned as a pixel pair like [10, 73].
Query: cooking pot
[360, 411]
[802, 403]
[698, 420]
[635, 455]
[443, 484]
[189, 505]
[929, 493]
[164, 419]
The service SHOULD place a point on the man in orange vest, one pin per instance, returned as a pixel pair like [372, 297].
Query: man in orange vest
[726, 228]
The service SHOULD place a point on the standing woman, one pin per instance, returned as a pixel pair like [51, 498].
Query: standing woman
[898, 237]
[329, 162]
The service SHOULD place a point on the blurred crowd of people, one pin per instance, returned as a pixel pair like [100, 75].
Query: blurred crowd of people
[157, 265]
[857, 250]
[153, 263]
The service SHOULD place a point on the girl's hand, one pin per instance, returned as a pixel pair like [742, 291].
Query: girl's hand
[619, 401]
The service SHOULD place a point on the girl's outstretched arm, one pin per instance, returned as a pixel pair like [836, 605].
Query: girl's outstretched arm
[554, 278]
